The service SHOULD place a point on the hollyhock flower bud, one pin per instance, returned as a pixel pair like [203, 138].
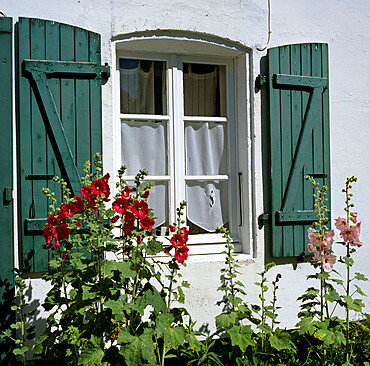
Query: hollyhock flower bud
[354, 217]
[114, 219]
[145, 194]
[66, 257]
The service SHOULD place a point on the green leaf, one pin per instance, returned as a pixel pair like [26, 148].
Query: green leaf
[148, 346]
[225, 320]
[358, 289]
[117, 308]
[91, 356]
[132, 352]
[348, 261]
[332, 296]
[280, 340]
[154, 247]
[122, 267]
[241, 336]
[360, 277]
[7, 333]
[20, 351]
[353, 304]
[306, 326]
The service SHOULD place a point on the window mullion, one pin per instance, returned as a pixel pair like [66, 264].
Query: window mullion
[179, 147]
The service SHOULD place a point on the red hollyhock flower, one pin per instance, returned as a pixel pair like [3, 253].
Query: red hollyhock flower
[68, 209]
[145, 194]
[86, 192]
[78, 223]
[101, 188]
[126, 193]
[52, 220]
[48, 234]
[79, 203]
[106, 178]
[172, 228]
[184, 232]
[62, 232]
[61, 218]
[147, 223]
[114, 219]
[66, 257]
[120, 205]
[177, 240]
[181, 253]
[167, 249]
[140, 209]
[127, 228]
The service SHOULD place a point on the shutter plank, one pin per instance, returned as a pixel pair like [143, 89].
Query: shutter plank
[38, 143]
[298, 230]
[24, 131]
[95, 94]
[82, 102]
[286, 140]
[6, 183]
[276, 194]
[52, 52]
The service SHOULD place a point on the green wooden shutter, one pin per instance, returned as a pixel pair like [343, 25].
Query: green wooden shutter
[299, 134]
[59, 119]
[6, 179]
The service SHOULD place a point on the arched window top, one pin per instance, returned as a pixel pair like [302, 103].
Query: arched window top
[179, 42]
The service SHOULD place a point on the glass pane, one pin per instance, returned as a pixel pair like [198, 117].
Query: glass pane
[144, 146]
[143, 86]
[204, 90]
[206, 149]
[208, 206]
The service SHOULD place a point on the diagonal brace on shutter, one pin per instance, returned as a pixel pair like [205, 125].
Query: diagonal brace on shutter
[38, 70]
[316, 87]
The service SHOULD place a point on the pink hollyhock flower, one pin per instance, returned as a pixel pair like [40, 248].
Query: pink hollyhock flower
[312, 235]
[354, 217]
[328, 261]
[181, 253]
[147, 223]
[341, 223]
[140, 209]
[68, 209]
[310, 248]
[351, 234]
[357, 244]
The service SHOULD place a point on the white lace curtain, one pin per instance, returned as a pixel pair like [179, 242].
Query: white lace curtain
[206, 145]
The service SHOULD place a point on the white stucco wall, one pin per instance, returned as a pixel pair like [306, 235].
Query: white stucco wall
[344, 25]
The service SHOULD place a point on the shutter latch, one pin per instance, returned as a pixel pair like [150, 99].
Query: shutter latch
[260, 81]
[263, 219]
[7, 196]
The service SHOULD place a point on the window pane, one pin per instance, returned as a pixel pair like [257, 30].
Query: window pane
[144, 146]
[207, 204]
[204, 90]
[143, 86]
[206, 149]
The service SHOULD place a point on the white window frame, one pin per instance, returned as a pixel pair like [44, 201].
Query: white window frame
[241, 234]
